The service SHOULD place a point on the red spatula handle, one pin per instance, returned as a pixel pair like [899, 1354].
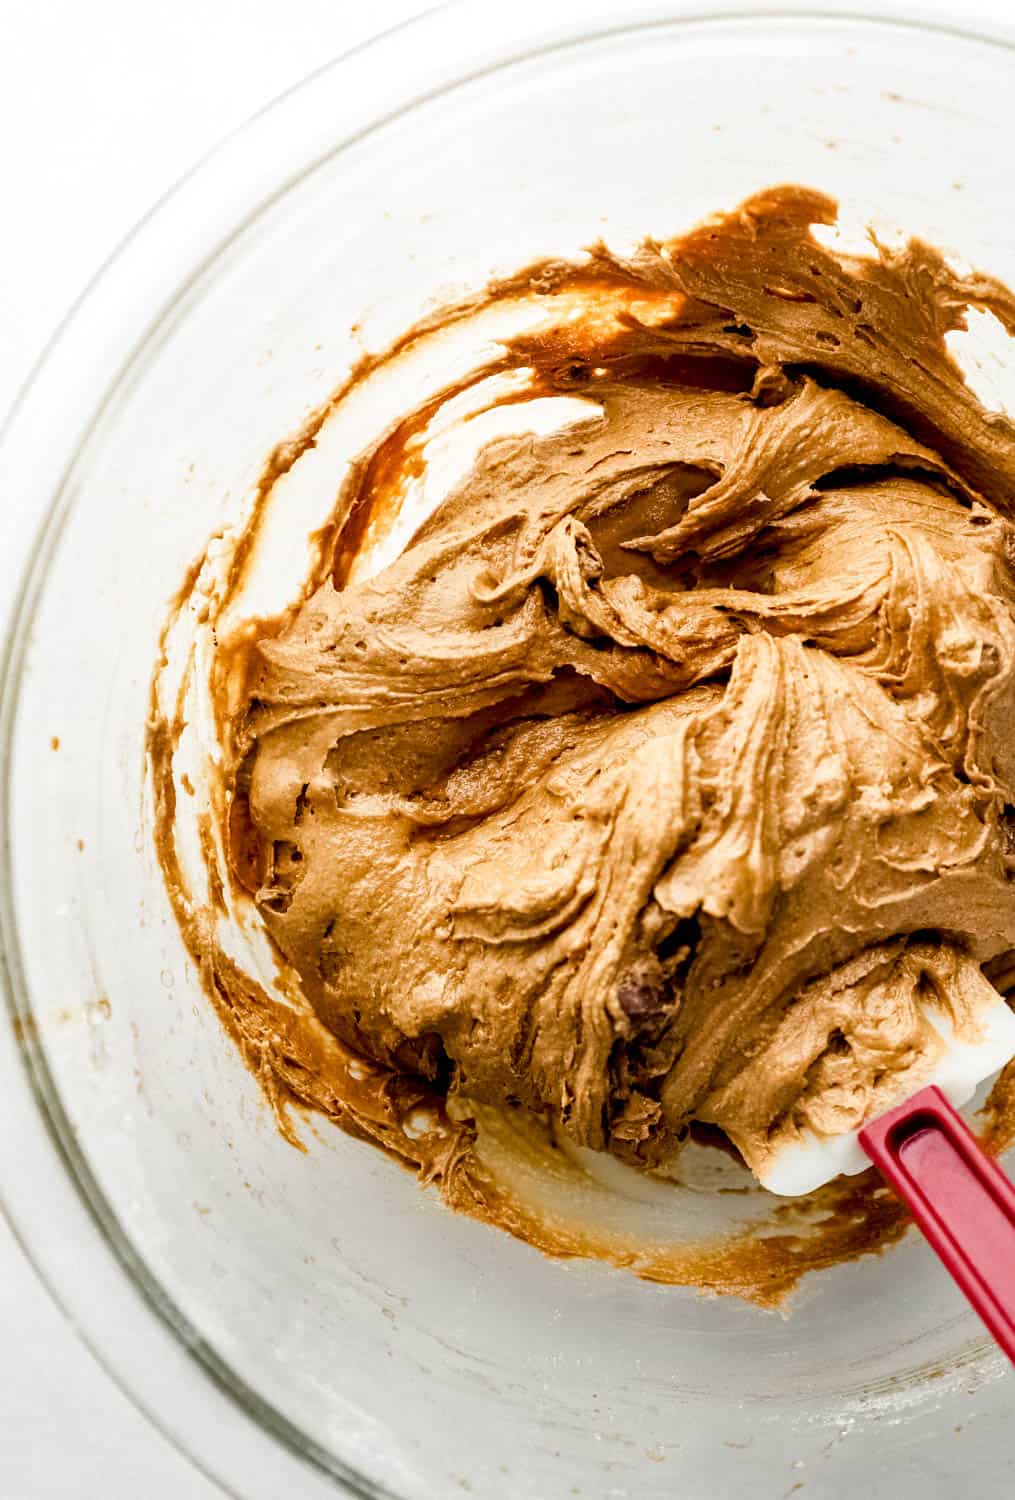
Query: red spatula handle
[959, 1197]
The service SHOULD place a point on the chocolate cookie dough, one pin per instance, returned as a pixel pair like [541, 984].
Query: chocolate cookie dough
[669, 771]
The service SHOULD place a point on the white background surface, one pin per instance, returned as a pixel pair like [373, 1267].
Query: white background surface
[103, 105]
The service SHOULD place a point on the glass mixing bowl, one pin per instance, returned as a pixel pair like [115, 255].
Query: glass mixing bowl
[317, 1321]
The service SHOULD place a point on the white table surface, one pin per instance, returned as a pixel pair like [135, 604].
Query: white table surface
[103, 105]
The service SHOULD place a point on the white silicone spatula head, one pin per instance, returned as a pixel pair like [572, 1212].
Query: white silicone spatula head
[805, 1164]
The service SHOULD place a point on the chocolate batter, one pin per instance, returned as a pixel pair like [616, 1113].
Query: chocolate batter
[669, 771]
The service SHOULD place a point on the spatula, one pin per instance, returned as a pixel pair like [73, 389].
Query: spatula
[958, 1196]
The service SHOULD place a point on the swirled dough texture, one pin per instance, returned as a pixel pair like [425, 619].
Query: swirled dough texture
[668, 774]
